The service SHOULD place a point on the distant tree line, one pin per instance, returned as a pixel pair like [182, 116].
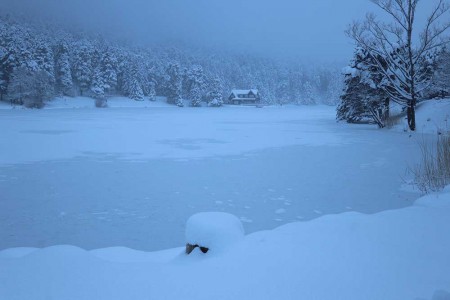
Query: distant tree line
[41, 61]
[389, 65]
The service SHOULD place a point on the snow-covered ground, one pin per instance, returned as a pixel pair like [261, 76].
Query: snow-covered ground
[397, 254]
[132, 176]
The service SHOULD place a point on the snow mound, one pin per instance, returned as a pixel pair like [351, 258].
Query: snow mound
[213, 230]
[127, 255]
[432, 116]
[17, 252]
[392, 255]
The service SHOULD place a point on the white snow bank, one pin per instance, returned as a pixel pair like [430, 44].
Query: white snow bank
[70, 102]
[432, 116]
[88, 102]
[127, 255]
[113, 102]
[213, 230]
[17, 252]
[397, 254]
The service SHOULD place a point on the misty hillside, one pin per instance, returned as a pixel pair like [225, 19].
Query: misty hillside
[39, 61]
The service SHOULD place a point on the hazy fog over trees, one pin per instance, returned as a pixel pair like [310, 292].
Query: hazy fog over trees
[291, 52]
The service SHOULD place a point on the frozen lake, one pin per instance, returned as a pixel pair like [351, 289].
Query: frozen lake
[131, 177]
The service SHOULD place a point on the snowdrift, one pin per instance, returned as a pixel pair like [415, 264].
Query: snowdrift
[397, 254]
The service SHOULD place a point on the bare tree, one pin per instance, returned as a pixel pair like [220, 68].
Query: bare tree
[397, 55]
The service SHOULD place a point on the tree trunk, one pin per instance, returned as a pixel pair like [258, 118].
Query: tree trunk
[412, 70]
[411, 114]
[387, 109]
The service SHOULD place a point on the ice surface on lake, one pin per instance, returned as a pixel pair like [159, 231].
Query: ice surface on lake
[133, 176]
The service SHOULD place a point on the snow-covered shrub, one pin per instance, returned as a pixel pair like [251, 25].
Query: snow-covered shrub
[212, 231]
[101, 103]
[433, 172]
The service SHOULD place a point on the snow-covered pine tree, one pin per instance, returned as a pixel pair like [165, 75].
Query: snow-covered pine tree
[174, 85]
[83, 67]
[98, 86]
[351, 108]
[108, 69]
[440, 83]
[215, 95]
[282, 91]
[151, 90]
[5, 71]
[43, 55]
[363, 99]
[29, 87]
[195, 95]
[195, 84]
[42, 89]
[20, 85]
[132, 87]
[64, 83]
[308, 93]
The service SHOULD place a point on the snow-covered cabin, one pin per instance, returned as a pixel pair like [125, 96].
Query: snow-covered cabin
[244, 97]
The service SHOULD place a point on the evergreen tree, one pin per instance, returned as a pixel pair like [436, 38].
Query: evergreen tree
[308, 93]
[98, 86]
[215, 96]
[109, 71]
[132, 86]
[174, 87]
[196, 96]
[45, 60]
[20, 87]
[82, 67]
[42, 89]
[30, 87]
[440, 83]
[195, 84]
[151, 90]
[363, 99]
[64, 83]
[5, 71]
[351, 108]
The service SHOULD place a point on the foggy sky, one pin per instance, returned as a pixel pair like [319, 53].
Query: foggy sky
[304, 29]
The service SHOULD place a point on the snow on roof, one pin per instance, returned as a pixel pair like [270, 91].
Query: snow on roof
[244, 92]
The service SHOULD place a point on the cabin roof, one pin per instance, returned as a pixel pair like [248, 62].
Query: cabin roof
[254, 91]
[244, 92]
